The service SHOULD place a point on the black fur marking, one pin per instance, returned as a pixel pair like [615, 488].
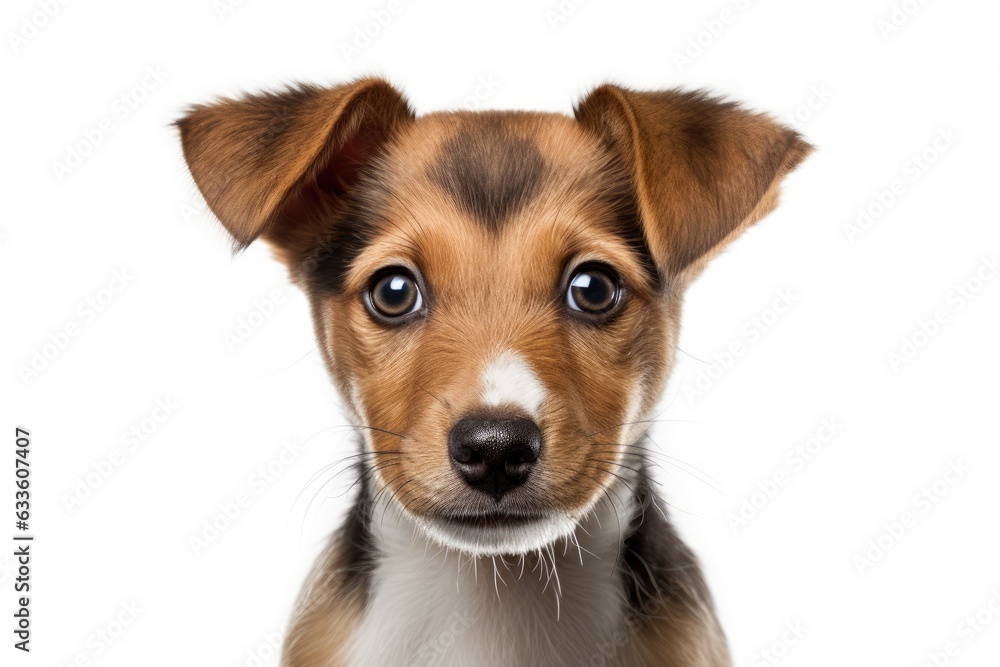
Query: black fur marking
[325, 267]
[491, 172]
[348, 234]
[627, 225]
[665, 573]
[357, 546]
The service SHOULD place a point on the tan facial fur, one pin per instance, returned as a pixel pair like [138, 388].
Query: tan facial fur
[494, 293]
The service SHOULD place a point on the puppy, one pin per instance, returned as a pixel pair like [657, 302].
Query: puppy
[497, 298]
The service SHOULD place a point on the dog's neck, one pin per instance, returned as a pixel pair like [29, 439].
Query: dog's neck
[428, 605]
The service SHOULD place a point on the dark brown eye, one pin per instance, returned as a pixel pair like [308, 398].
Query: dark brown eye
[395, 295]
[593, 291]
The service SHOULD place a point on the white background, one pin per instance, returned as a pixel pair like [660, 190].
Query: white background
[879, 99]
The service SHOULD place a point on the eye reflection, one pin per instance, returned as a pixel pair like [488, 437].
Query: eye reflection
[395, 295]
[592, 291]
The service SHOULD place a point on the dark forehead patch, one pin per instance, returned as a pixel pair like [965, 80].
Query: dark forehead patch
[347, 234]
[490, 171]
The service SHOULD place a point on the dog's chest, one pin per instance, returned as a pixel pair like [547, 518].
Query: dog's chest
[428, 607]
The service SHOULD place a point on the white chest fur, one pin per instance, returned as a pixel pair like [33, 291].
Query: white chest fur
[432, 607]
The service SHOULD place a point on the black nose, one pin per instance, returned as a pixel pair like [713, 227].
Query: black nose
[494, 454]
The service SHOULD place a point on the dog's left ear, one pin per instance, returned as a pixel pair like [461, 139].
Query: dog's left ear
[703, 169]
[278, 165]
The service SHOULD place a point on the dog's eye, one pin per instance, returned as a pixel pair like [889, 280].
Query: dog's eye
[394, 295]
[593, 290]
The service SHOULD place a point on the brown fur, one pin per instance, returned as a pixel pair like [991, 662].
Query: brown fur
[702, 166]
[490, 209]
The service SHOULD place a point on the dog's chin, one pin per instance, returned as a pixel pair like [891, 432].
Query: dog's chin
[498, 536]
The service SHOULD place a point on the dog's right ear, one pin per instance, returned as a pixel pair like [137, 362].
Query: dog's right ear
[704, 169]
[278, 165]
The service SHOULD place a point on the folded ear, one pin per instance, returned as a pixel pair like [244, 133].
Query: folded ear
[703, 169]
[278, 165]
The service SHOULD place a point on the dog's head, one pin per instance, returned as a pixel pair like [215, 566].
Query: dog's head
[496, 294]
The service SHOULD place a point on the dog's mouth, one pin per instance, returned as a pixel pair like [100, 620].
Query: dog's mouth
[497, 533]
[490, 520]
